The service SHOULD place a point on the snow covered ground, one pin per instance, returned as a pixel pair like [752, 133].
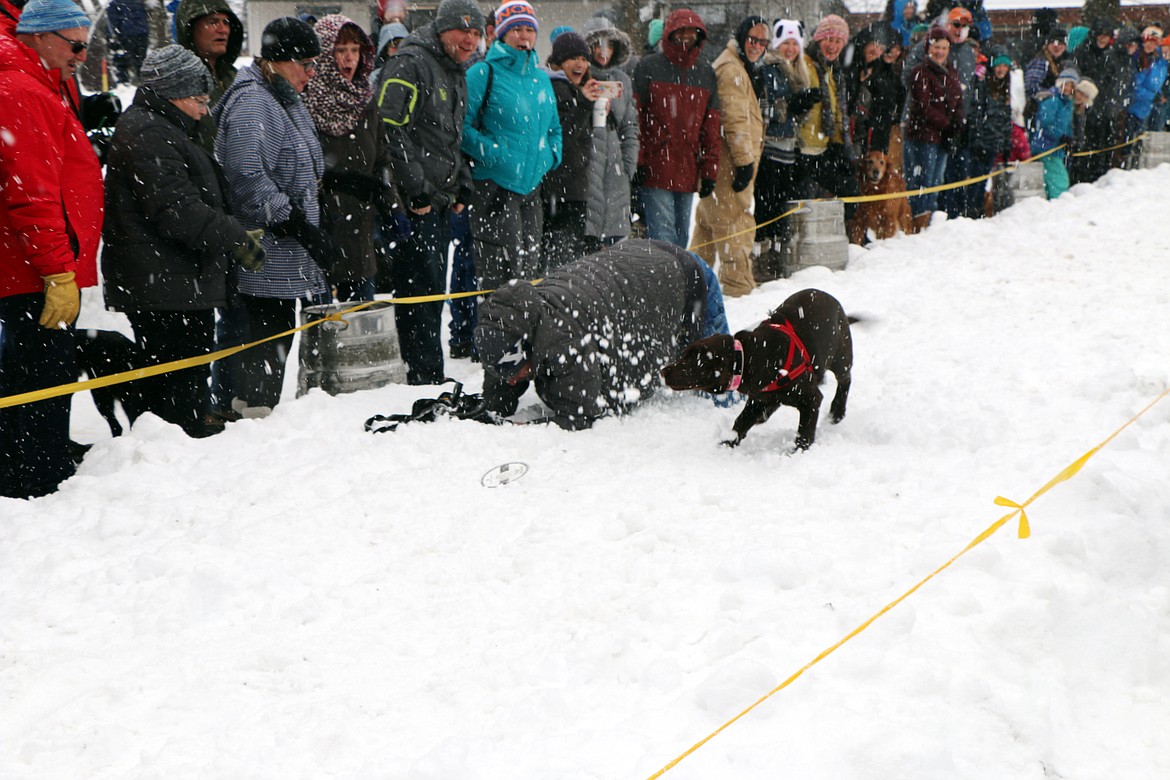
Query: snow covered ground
[297, 598]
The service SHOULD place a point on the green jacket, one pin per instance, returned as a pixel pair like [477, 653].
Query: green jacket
[225, 67]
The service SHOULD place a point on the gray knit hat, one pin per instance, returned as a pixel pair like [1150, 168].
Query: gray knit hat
[175, 72]
[458, 15]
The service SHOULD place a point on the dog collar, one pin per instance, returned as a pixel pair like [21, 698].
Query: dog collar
[736, 368]
[791, 370]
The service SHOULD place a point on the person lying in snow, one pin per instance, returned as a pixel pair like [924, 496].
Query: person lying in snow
[594, 333]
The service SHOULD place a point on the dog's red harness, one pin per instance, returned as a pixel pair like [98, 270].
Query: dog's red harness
[792, 369]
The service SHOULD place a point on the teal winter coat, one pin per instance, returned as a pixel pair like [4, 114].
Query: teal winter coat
[1053, 122]
[515, 139]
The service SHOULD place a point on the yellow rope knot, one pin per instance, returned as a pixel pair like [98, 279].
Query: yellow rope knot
[1025, 529]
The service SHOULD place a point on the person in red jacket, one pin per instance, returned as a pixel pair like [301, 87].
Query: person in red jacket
[10, 15]
[50, 224]
[678, 108]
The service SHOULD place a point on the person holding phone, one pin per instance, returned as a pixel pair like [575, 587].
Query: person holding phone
[615, 133]
[566, 187]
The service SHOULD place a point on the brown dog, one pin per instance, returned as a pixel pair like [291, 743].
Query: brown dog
[780, 363]
[884, 217]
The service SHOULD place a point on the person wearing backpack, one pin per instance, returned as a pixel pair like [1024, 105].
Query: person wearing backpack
[512, 135]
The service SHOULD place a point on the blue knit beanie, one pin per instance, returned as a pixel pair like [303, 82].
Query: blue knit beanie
[42, 16]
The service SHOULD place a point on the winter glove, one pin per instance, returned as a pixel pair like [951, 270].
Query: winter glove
[250, 255]
[743, 177]
[62, 301]
[385, 202]
[398, 226]
[639, 177]
[706, 187]
[359, 185]
[319, 244]
[437, 200]
[803, 100]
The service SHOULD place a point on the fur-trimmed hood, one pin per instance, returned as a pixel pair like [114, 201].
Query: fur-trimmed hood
[599, 28]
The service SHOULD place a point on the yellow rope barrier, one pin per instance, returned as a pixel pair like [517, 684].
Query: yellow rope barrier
[163, 368]
[177, 365]
[884, 196]
[1023, 533]
[1111, 148]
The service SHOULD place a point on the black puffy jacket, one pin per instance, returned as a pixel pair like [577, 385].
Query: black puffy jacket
[422, 101]
[167, 232]
[599, 330]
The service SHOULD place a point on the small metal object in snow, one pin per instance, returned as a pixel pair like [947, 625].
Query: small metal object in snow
[502, 475]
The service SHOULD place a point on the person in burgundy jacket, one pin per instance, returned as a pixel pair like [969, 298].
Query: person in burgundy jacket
[678, 107]
[50, 224]
[934, 118]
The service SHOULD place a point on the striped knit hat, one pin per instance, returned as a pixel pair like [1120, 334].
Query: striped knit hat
[42, 16]
[832, 26]
[512, 14]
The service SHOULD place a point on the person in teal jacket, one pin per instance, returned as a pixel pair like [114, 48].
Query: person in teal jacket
[1054, 126]
[512, 136]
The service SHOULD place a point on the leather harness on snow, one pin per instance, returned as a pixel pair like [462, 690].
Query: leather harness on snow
[788, 374]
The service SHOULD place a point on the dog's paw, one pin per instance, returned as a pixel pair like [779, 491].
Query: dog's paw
[730, 443]
[836, 418]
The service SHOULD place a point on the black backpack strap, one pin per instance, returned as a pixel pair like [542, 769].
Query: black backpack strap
[487, 93]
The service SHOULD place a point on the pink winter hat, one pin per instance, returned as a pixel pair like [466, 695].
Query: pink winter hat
[832, 26]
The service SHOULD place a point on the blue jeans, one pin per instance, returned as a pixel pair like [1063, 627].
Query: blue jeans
[668, 215]
[923, 164]
[960, 166]
[463, 310]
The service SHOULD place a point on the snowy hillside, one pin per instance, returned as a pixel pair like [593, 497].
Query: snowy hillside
[296, 598]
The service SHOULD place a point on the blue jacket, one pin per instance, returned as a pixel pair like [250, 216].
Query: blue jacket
[127, 19]
[1146, 85]
[898, 22]
[1053, 121]
[268, 147]
[517, 139]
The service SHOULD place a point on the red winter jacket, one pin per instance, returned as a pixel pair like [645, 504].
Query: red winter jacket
[50, 180]
[9, 16]
[678, 108]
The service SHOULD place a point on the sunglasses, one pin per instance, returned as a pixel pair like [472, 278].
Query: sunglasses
[78, 46]
[959, 25]
[308, 66]
[757, 41]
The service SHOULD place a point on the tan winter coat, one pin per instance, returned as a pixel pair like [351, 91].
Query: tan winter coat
[726, 215]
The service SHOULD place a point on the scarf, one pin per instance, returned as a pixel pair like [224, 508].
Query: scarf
[336, 104]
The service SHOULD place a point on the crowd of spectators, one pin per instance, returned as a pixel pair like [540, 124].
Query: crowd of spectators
[340, 163]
